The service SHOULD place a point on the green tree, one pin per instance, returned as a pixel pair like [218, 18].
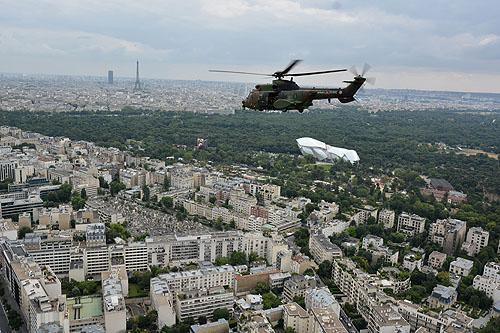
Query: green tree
[237, 258]
[270, 300]
[78, 202]
[83, 194]
[116, 187]
[167, 202]
[222, 261]
[261, 288]
[23, 231]
[145, 193]
[300, 301]
[252, 257]
[443, 278]
[325, 269]
[220, 313]
[102, 182]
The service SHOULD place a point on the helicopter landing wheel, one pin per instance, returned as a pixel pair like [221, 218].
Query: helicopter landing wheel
[284, 110]
[301, 110]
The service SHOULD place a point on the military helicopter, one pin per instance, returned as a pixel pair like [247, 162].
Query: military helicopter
[286, 95]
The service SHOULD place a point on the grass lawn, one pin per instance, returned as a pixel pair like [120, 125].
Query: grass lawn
[134, 291]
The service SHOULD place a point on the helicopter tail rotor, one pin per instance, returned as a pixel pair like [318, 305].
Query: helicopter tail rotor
[358, 76]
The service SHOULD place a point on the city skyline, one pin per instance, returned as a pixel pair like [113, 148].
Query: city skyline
[454, 47]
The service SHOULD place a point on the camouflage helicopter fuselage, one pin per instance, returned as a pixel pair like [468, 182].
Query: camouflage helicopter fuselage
[286, 95]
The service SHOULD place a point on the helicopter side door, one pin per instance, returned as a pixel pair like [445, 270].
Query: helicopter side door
[263, 100]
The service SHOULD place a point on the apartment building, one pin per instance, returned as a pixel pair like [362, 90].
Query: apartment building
[162, 301]
[164, 250]
[214, 212]
[410, 225]
[96, 260]
[115, 312]
[364, 213]
[241, 201]
[219, 326]
[321, 298]
[136, 256]
[461, 266]
[96, 235]
[387, 217]
[296, 317]
[36, 290]
[182, 180]
[322, 249]
[492, 269]
[277, 280]
[448, 233]
[254, 223]
[203, 302]
[12, 204]
[415, 315]
[486, 284]
[129, 177]
[478, 239]
[41, 308]
[371, 241]
[7, 229]
[437, 259]
[298, 285]
[325, 320]
[385, 318]
[268, 192]
[49, 250]
[443, 297]
[7, 169]
[205, 278]
[412, 262]
[284, 260]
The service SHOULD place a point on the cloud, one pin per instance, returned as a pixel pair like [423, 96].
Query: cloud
[455, 36]
[489, 40]
[71, 44]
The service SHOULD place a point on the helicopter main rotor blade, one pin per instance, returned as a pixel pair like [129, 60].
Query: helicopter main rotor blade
[236, 72]
[370, 80]
[366, 68]
[315, 73]
[354, 71]
[290, 66]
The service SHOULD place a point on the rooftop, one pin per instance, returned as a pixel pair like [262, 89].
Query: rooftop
[328, 320]
[85, 307]
[463, 263]
[293, 309]
[200, 328]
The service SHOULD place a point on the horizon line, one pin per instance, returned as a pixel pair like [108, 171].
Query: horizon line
[105, 77]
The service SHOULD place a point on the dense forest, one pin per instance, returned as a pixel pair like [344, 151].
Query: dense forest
[384, 140]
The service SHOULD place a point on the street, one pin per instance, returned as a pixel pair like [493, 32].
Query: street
[346, 321]
[481, 322]
[4, 323]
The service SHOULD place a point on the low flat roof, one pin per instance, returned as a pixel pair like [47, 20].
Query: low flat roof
[85, 307]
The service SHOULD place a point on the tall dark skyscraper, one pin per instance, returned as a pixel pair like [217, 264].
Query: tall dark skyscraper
[137, 82]
[110, 77]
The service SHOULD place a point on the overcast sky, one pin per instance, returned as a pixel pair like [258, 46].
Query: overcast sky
[431, 45]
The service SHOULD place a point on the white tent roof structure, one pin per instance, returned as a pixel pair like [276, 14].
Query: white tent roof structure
[325, 153]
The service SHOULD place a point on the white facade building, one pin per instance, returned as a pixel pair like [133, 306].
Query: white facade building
[323, 152]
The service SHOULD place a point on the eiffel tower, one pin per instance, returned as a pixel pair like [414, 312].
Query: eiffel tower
[137, 86]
